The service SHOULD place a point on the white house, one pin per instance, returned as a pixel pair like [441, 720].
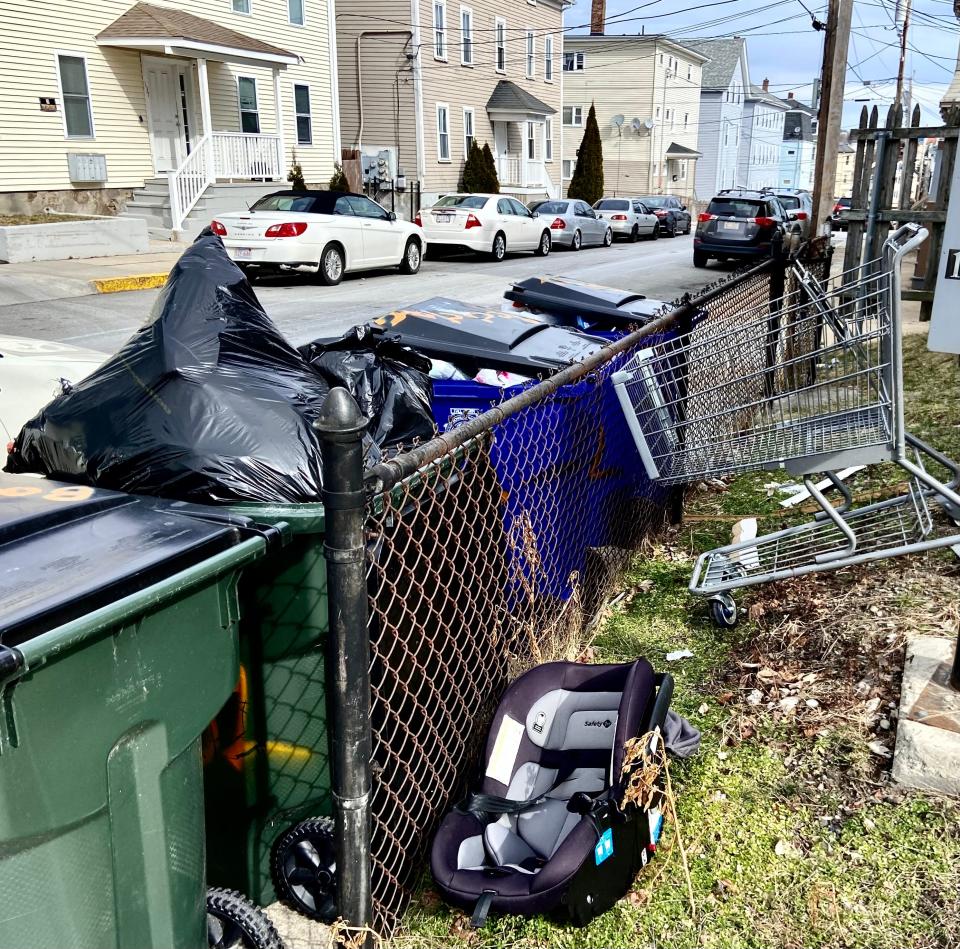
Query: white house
[760, 143]
[799, 146]
[725, 82]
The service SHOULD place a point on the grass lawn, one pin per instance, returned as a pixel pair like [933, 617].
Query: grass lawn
[794, 834]
[10, 220]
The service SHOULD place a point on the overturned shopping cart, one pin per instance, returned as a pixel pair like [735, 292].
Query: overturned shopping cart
[812, 383]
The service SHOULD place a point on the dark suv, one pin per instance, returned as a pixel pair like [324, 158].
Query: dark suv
[672, 216]
[739, 224]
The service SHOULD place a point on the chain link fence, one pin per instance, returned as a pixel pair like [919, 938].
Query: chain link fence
[496, 546]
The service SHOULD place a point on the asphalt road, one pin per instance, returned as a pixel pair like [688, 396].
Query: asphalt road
[305, 310]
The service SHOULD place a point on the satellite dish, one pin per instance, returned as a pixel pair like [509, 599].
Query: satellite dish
[617, 120]
[636, 124]
[649, 124]
[797, 130]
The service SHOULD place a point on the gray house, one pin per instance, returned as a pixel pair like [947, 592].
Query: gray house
[725, 86]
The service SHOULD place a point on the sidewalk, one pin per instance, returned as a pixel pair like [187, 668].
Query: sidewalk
[42, 280]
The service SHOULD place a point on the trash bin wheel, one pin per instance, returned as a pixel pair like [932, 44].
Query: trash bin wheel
[233, 922]
[304, 869]
[723, 610]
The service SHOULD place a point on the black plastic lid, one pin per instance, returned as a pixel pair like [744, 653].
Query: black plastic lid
[486, 338]
[66, 550]
[585, 303]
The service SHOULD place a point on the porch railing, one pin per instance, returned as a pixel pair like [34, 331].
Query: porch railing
[520, 172]
[221, 155]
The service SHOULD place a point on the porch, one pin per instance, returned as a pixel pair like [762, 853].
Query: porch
[523, 140]
[178, 52]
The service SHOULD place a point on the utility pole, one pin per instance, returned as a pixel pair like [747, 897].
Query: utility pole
[832, 78]
[903, 24]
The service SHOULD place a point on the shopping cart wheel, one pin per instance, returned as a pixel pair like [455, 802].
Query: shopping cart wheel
[723, 610]
[233, 922]
[304, 869]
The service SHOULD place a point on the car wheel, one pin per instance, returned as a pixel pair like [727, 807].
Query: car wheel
[499, 249]
[412, 257]
[655, 233]
[543, 248]
[577, 241]
[331, 265]
[672, 228]
[700, 258]
[608, 237]
[634, 234]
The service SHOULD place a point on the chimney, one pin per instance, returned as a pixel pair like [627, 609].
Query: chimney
[789, 95]
[598, 15]
[766, 85]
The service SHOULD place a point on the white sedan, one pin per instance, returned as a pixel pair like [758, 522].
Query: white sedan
[32, 372]
[325, 232]
[486, 223]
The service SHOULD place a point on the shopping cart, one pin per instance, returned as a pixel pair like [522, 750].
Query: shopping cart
[813, 383]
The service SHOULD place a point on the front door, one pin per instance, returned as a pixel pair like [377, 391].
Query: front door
[169, 89]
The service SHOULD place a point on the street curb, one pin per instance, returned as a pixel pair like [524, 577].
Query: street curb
[147, 281]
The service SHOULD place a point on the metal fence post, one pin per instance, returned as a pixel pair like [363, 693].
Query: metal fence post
[341, 428]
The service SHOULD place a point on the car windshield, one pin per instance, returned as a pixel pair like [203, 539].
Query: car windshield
[610, 204]
[843, 202]
[285, 202]
[789, 201]
[549, 207]
[461, 201]
[735, 207]
[655, 201]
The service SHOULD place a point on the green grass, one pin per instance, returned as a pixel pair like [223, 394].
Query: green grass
[794, 834]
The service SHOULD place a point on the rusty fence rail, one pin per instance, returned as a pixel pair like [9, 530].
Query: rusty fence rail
[492, 547]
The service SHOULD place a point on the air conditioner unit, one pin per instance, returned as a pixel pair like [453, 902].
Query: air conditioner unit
[86, 167]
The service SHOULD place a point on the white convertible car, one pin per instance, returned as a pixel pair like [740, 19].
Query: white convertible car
[325, 232]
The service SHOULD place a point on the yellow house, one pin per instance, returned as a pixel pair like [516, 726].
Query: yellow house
[165, 111]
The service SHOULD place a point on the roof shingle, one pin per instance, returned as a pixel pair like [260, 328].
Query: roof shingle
[724, 55]
[509, 97]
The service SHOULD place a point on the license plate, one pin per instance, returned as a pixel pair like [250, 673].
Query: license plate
[243, 253]
[443, 218]
[731, 226]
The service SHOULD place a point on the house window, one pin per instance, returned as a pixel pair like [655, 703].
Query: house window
[440, 29]
[686, 120]
[468, 133]
[548, 139]
[295, 12]
[241, 6]
[531, 52]
[443, 131]
[568, 168]
[573, 115]
[77, 113]
[572, 62]
[689, 73]
[249, 111]
[466, 36]
[548, 59]
[301, 105]
[661, 59]
[656, 113]
[531, 141]
[501, 42]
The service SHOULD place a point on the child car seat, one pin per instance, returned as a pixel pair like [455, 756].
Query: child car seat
[549, 829]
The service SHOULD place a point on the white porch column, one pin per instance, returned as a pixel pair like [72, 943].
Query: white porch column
[522, 125]
[278, 105]
[204, 83]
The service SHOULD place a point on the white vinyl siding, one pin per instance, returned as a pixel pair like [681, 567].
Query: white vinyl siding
[468, 129]
[531, 47]
[295, 12]
[301, 107]
[75, 95]
[249, 104]
[466, 36]
[443, 132]
[500, 39]
[439, 29]
[548, 59]
[548, 140]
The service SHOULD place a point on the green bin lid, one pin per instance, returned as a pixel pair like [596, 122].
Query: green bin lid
[66, 550]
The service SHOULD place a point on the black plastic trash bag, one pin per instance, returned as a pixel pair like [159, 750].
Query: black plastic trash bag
[206, 402]
[390, 382]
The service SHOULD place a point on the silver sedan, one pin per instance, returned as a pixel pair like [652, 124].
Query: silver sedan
[629, 218]
[573, 223]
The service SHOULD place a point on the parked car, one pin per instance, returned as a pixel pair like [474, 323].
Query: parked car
[486, 223]
[628, 217]
[798, 203]
[31, 374]
[673, 216]
[740, 224]
[574, 224]
[838, 218]
[326, 232]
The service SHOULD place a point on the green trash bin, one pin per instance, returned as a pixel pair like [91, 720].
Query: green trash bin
[266, 756]
[118, 645]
